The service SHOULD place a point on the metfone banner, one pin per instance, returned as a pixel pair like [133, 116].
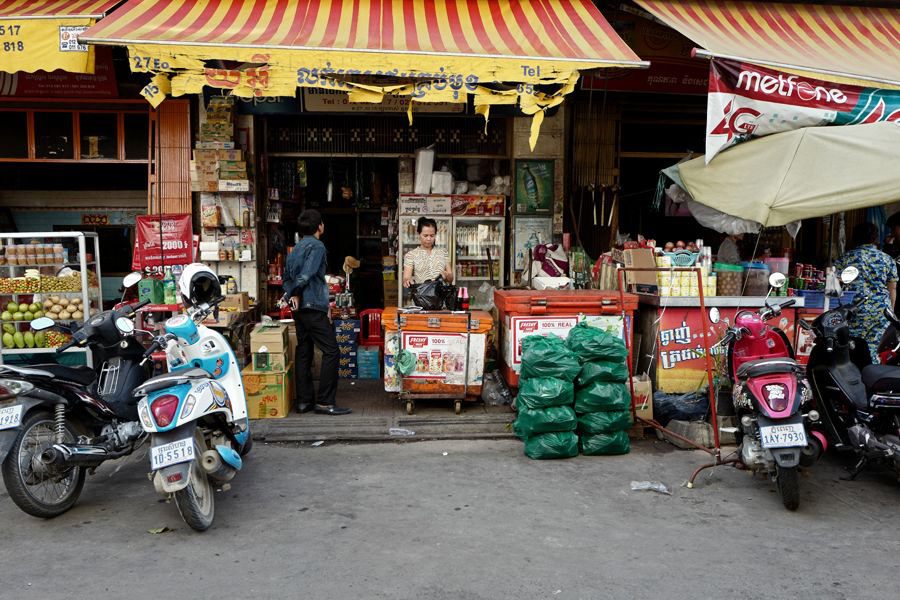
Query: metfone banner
[748, 101]
[171, 233]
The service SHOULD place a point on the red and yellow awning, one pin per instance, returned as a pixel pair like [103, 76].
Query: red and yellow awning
[42, 34]
[847, 44]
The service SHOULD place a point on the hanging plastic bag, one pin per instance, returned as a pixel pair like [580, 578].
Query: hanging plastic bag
[434, 294]
[602, 396]
[552, 445]
[548, 357]
[604, 422]
[545, 420]
[593, 344]
[605, 444]
[601, 370]
[406, 362]
[543, 392]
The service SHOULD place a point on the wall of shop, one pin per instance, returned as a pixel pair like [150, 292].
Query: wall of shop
[550, 146]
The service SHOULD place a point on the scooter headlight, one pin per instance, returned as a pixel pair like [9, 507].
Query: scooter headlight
[189, 403]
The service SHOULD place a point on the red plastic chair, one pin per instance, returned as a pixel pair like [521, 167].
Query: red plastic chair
[370, 328]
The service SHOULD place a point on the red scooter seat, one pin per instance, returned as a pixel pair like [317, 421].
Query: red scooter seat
[766, 366]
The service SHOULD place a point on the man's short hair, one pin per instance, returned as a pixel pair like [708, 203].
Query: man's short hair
[309, 221]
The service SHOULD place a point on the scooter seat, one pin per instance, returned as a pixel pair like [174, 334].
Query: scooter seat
[81, 375]
[766, 366]
[161, 382]
[881, 378]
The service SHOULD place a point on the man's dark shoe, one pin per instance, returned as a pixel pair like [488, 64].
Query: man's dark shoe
[327, 409]
[305, 408]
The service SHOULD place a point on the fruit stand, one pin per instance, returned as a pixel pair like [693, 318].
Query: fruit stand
[55, 275]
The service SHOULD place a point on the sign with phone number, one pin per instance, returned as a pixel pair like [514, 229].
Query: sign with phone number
[45, 44]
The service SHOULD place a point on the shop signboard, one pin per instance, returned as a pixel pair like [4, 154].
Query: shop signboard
[534, 187]
[64, 84]
[515, 329]
[323, 100]
[468, 205]
[748, 101]
[681, 362]
[425, 205]
[170, 232]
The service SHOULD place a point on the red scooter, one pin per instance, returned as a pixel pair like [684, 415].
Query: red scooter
[769, 394]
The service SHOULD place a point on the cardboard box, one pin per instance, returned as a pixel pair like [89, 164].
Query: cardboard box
[273, 337]
[216, 155]
[240, 301]
[271, 362]
[204, 145]
[292, 337]
[240, 185]
[151, 289]
[346, 326]
[643, 397]
[641, 281]
[347, 361]
[347, 372]
[347, 349]
[269, 395]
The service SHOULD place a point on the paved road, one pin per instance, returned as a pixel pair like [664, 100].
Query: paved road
[407, 521]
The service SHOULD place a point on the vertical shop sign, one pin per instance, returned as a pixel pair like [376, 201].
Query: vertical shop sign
[162, 240]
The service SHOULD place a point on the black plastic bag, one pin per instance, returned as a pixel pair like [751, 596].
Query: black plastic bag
[684, 407]
[434, 294]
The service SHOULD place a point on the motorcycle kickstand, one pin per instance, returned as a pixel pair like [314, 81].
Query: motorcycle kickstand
[856, 470]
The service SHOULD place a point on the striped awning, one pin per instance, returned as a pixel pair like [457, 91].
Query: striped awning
[528, 41]
[846, 44]
[42, 34]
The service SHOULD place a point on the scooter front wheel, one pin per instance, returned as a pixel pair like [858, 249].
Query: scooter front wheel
[196, 501]
[788, 481]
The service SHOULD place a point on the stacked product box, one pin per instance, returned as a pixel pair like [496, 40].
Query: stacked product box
[346, 332]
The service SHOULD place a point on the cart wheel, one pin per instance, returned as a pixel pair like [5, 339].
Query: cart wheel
[457, 407]
[410, 407]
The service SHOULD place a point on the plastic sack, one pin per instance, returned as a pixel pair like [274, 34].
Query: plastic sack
[406, 362]
[605, 444]
[552, 445]
[434, 294]
[604, 422]
[548, 357]
[593, 344]
[601, 370]
[602, 396]
[543, 392]
[545, 420]
[494, 391]
[685, 407]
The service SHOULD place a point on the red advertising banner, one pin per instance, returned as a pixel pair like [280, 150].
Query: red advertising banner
[170, 232]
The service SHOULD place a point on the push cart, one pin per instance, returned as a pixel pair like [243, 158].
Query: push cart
[450, 350]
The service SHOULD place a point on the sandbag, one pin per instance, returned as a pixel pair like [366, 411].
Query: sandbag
[605, 444]
[552, 445]
[602, 396]
[592, 343]
[542, 392]
[548, 357]
[545, 420]
[602, 370]
[604, 422]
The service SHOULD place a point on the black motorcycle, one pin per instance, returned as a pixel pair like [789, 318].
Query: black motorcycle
[57, 422]
[858, 403]
[889, 346]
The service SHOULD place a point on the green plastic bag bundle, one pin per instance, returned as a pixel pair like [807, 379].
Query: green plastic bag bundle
[592, 344]
[548, 357]
[552, 445]
[602, 370]
[543, 392]
[605, 444]
[545, 420]
[602, 396]
[406, 362]
[604, 422]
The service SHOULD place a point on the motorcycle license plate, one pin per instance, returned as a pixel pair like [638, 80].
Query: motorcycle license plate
[10, 416]
[783, 436]
[172, 453]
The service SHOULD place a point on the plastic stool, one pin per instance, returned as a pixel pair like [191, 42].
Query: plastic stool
[370, 328]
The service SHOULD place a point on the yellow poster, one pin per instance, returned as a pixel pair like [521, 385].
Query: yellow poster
[45, 44]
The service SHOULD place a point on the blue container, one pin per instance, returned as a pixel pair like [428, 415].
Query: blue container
[816, 298]
[369, 363]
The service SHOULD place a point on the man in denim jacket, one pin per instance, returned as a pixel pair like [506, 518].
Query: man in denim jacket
[305, 287]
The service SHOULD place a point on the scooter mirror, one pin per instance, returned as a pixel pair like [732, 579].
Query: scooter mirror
[849, 274]
[42, 323]
[714, 316]
[777, 280]
[125, 325]
[131, 279]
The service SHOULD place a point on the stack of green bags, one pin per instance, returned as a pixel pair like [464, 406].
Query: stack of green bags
[546, 419]
[602, 399]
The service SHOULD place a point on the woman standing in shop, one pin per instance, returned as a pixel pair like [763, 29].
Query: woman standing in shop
[426, 262]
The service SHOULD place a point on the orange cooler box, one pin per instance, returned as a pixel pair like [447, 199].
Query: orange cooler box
[555, 312]
[438, 339]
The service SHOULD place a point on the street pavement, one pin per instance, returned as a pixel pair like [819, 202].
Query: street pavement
[463, 520]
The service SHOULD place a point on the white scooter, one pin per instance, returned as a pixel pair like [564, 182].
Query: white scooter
[197, 412]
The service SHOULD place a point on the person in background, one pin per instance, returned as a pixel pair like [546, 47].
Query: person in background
[728, 250]
[307, 294]
[426, 262]
[892, 244]
[877, 281]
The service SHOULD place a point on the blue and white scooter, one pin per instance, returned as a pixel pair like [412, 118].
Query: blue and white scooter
[196, 414]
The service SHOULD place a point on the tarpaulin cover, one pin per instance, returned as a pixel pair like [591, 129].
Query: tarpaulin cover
[604, 422]
[552, 445]
[605, 444]
[548, 357]
[600, 370]
[541, 392]
[592, 343]
[602, 396]
[545, 420]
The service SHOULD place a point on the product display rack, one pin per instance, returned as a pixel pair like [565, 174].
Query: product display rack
[13, 275]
